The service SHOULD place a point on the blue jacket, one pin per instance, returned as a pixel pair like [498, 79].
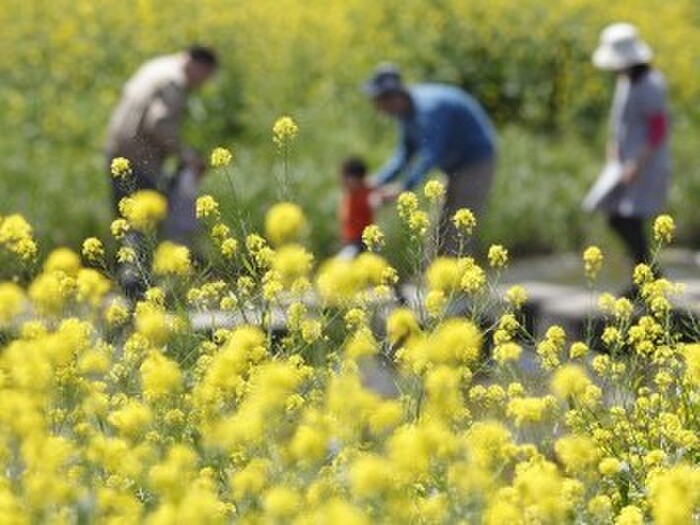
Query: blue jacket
[447, 128]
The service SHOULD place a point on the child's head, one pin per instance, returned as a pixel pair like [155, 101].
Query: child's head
[353, 170]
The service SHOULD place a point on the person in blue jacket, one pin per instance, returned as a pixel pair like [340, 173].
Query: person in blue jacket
[443, 127]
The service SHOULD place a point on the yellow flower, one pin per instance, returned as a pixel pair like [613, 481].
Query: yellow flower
[132, 420]
[171, 259]
[578, 350]
[516, 296]
[220, 157]
[64, 260]
[93, 249]
[309, 444]
[116, 313]
[250, 480]
[570, 381]
[92, 286]
[220, 232]
[119, 228]
[674, 494]
[373, 238]
[16, 235]
[473, 278]
[464, 221]
[434, 190]
[126, 254]
[229, 248]
[284, 222]
[664, 228]
[577, 453]
[284, 131]
[144, 209]
[528, 409]
[370, 475]
[11, 301]
[292, 262]
[407, 204]
[401, 325]
[152, 323]
[311, 330]
[120, 168]
[205, 206]
[609, 466]
[281, 502]
[498, 256]
[600, 507]
[435, 302]
[160, 376]
[630, 515]
[443, 274]
[507, 352]
[593, 261]
[691, 353]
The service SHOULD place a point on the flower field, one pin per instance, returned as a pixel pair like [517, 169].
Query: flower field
[112, 412]
[309, 390]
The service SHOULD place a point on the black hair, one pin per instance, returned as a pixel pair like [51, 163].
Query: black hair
[354, 167]
[638, 71]
[203, 55]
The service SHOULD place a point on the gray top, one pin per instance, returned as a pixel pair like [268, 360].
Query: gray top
[633, 106]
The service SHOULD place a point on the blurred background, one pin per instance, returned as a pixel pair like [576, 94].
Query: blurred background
[64, 63]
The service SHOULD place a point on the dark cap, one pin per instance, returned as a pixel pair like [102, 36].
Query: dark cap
[386, 79]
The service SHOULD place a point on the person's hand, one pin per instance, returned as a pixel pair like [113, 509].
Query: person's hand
[387, 193]
[630, 172]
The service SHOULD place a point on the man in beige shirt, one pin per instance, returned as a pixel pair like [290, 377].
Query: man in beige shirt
[145, 129]
[145, 126]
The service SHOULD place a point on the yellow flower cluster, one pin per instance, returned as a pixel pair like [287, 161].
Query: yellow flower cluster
[284, 222]
[593, 261]
[151, 421]
[120, 168]
[144, 209]
[284, 131]
[16, 236]
[220, 157]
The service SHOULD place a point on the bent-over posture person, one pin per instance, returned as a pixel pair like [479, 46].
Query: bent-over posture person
[145, 129]
[443, 127]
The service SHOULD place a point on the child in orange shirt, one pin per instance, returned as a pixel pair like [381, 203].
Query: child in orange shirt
[355, 209]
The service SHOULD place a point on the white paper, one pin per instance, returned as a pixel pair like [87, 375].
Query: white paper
[608, 180]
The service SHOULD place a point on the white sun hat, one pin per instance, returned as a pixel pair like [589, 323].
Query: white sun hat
[620, 48]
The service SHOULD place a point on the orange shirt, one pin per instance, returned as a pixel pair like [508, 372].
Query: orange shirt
[355, 214]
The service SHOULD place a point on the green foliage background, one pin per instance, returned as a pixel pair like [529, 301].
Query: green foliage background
[64, 63]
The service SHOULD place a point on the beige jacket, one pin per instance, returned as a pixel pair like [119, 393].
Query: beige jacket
[145, 127]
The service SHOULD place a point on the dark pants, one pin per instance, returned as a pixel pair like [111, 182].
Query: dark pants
[631, 231]
[134, 277]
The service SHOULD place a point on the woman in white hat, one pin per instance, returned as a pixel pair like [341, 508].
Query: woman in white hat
[639, 137]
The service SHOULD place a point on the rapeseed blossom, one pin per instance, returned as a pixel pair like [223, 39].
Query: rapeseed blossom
[144, 209]
[284, 222]
[220, 157]
[593, 261]
[120, 168]
[171, 259]
[125, 404]
[206, 206]
[664, 228]
[284, 131]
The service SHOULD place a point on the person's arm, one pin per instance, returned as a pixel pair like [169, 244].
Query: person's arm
[432, 149]
[395, 164]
